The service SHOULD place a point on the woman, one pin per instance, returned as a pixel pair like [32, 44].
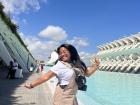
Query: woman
[66, 89]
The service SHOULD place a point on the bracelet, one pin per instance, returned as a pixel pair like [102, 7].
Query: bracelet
[31, 86]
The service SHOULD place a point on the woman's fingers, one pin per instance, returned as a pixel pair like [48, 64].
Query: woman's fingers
[27, 86]
[97, 61]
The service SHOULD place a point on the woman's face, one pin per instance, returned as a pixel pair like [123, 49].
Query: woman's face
[64, 54]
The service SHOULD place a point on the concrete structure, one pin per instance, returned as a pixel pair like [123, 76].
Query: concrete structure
[11, 45]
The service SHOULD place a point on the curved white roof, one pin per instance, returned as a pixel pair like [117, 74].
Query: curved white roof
[113, 43]
[105, 47]
[121, 42]
[137, 37]
[117, 43]
[108, 46]
[125, 40]
[131, 38]
[100, 47]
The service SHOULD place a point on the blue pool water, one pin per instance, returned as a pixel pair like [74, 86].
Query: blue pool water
[111, 88]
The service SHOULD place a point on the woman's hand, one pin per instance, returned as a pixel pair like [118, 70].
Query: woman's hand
[28, 86]
[97, 62]
[43, 78]
[93, 67]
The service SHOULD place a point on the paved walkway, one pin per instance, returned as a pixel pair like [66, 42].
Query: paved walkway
[12, 92]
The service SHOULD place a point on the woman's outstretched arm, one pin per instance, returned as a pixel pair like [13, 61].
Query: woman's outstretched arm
[90, 70]
[40, 80]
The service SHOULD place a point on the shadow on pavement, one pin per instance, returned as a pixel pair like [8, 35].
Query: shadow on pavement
[8, 87]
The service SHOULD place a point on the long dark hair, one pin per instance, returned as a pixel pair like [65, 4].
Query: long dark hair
[74, 56]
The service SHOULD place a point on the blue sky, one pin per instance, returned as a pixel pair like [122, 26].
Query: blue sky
[83, 23]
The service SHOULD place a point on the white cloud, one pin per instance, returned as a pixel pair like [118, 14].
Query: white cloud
[39, 49]
[53, 32]
[87, 57]
[14, 21]
[79, 42]
[20, 6]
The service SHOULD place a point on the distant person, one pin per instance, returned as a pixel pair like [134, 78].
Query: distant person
[42, 67]
[14, 68]
[18, 73]
[39, 69]
[65, 71]
[31, 67]
[10, 71]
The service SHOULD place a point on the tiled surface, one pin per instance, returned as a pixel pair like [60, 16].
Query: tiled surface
[12, 92]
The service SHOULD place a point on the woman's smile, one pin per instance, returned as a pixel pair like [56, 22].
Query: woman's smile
[64, 54]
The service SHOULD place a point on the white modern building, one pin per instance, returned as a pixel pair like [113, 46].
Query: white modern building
[121, 55]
